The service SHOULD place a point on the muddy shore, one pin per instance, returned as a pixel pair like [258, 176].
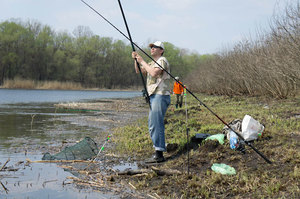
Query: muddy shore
[102, 116]
[101, 174]
[183, 176]
[123, 175]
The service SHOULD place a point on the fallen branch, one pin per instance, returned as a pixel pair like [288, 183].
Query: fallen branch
[57, 161]
[5, 164]
[151, 196]
[157, 195]
[141, 175]
[5, 189]
[134, 172]
[79, 181]
[132, 185]
[153, 169]
[165, 171]
[79, 171]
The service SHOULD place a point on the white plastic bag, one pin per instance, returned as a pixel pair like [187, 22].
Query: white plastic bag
[251, 128]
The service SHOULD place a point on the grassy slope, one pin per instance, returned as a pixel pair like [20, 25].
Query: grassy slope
[254, 179]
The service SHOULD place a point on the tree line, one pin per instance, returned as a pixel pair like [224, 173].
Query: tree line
[30, 50]
[267, 66]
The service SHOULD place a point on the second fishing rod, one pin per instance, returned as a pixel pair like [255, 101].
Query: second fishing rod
[133, 49]
[190, 92]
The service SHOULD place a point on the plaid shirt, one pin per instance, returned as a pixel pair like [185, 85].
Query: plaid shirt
[161, 84]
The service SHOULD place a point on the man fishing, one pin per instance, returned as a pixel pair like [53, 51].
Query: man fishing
[161, 79]
[158, 87]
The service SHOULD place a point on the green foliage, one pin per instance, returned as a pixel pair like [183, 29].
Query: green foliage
[34, 51]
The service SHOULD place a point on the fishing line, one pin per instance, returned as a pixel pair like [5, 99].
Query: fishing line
[190, 92]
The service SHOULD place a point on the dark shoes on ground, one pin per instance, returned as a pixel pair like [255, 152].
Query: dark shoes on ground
[157, 158]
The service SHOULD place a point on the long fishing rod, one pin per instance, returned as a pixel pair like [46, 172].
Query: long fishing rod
[132, 44]
[133, 49]
[201, 103]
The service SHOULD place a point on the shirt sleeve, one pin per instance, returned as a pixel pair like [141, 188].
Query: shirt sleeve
[162, 63]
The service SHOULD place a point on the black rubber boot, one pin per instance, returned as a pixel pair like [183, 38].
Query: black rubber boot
[157, 158]
[159, 155]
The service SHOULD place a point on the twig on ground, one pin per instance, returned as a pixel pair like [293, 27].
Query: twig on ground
[151, 196]
[134, 172]
[5, 189]
[157, 195]
[5, 164]
[86, 182]
[56, 161]
[147, 171]
[132, 185]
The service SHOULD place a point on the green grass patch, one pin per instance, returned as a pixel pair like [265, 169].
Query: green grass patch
[254, 179]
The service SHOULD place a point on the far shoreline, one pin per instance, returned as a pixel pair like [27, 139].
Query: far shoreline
[84, 89]
[24, 84]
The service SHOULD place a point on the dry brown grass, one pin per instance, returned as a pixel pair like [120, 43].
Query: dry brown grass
[19, 83]
[59, 85]
[267, 66]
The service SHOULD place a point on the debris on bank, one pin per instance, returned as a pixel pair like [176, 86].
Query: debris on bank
[223, 169]
[249, 128]
[103, 105]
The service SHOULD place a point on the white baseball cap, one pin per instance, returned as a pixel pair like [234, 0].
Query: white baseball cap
[158, 44]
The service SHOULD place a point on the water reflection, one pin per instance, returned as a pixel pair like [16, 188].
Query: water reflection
[39, 180]
[29, 124]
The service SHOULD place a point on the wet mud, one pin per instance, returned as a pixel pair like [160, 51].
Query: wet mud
[70, 123]
[186, 173]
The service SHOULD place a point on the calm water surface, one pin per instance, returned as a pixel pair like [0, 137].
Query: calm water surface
[29, 119]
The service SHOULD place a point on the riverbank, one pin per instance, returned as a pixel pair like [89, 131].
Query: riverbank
[192, 177]
[31, 126]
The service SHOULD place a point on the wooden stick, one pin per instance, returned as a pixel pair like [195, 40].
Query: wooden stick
[157, 195]
[132, 185]
[57, 161]
[134, 172]
[5, 164]
[151, 196]
[85, 182]
[165, 171]
[5, 189]
[153, 169]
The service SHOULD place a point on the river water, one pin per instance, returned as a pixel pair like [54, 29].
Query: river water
[29, 119]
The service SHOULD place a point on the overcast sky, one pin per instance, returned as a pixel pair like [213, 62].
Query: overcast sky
[204, 26]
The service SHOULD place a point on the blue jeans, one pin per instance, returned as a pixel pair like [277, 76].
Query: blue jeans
[159, 105]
